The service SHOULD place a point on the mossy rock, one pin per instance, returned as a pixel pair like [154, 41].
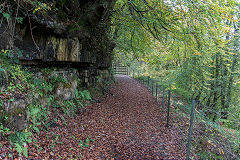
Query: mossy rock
[17, 119]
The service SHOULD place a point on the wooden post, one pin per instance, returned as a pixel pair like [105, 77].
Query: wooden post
[190, 130]
[156, 91]
[152, 87]
[168, 109]
[148, 81]
[163, 97]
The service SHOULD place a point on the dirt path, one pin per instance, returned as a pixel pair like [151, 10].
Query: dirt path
[129, 124]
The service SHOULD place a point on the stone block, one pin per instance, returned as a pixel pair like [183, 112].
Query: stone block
[14, 105]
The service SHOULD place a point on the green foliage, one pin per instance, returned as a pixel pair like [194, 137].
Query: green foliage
[205, 155]
[85, 95]
[6, 15]
[1, 69]
[56, 79]
[4, 131]
[191, 46]
[71, 107]
[20, 140]
[19, 20]
[85, 144]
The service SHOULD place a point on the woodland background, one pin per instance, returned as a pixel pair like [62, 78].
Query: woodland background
[188, 46]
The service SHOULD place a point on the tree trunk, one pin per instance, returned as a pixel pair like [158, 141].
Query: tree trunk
[233, 67]
[223, 88]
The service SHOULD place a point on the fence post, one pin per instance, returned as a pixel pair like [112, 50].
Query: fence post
[190, 130]
[152, 87]
[148, 81]
[156, 91]
[163, 97]
[168, 109]
[143, 81]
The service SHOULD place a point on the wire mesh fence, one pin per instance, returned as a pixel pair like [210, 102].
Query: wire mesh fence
[224, 142]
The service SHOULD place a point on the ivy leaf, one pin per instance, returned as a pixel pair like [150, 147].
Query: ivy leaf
[6, 15]
[16, 60]
[19, 20]
[25, 151]
[37, 130]
[35, 111]
[76, 93]
[81, 144]
[86, 94]
[1, 69]
[19, 148]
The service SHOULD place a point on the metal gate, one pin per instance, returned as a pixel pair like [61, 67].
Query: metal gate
[119, 68]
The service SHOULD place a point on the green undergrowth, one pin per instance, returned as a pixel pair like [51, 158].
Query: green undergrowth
[42, 111]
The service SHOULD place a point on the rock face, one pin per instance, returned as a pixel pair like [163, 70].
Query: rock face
[60, 33]
[71, 35]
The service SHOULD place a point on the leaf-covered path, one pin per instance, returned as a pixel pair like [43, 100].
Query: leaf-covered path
[129, 124]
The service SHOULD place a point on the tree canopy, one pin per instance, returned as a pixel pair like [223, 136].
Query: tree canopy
[197, 41]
